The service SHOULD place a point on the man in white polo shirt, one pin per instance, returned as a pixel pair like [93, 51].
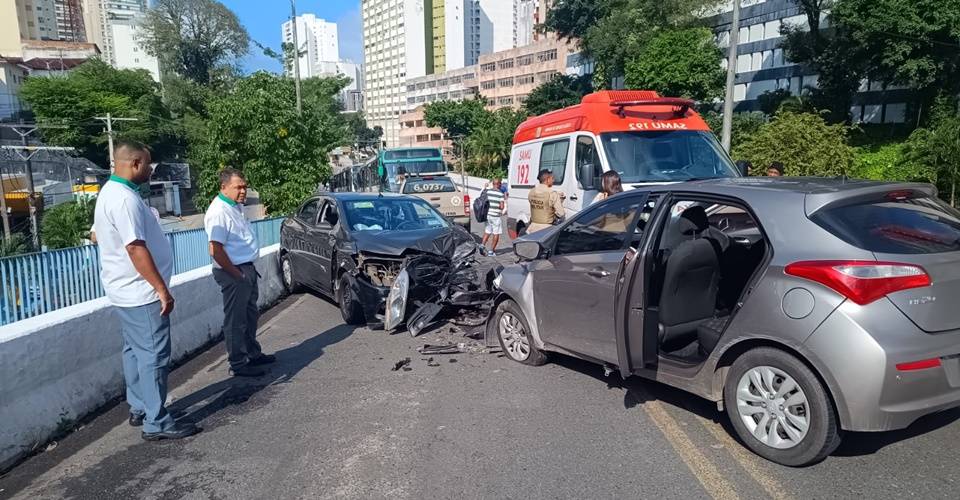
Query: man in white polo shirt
[234, 249]
[135, 267]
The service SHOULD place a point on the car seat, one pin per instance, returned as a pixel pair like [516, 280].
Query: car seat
[690, 282]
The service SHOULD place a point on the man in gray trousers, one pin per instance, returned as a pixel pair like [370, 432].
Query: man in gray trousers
[135, 266]
[234, 249]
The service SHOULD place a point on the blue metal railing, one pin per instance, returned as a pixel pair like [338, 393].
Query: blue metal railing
[41, 282]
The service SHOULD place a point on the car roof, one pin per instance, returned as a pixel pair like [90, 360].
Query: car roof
[353, 196]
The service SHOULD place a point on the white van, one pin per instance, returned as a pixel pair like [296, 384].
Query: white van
[644, 137]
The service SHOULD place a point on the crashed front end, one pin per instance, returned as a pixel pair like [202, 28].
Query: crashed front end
[424, 283]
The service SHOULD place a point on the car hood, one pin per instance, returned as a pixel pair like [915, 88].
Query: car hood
[440, 241]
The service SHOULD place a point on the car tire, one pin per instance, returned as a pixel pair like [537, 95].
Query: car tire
[350, 308]
[287, 275]
[771, 424]
[513, 332]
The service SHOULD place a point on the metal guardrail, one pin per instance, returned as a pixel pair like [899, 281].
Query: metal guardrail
[41, 282]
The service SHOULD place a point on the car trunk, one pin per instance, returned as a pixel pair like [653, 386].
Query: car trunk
[933, 308]
[914, 228]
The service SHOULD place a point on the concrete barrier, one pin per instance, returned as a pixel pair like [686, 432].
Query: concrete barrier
[58, 367]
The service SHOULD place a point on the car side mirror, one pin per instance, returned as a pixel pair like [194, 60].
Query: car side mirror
[528, 250]
[587, 176]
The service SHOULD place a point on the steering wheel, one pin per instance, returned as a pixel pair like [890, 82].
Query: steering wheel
[408, 222]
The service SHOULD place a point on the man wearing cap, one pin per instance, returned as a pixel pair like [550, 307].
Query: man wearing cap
[234, 249]
[135, 267]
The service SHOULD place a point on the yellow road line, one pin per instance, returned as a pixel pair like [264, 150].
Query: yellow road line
[703, 469]
[747, 460]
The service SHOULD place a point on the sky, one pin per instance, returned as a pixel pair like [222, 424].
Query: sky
[263, 19]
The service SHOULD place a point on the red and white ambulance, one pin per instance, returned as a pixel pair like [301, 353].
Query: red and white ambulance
[644, 137]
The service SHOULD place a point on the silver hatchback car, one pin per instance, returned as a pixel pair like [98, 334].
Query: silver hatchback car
[803, 307]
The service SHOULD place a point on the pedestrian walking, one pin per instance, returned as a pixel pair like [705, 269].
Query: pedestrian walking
[135, 267]
[610, 185]
[494, 227]
[234, 249]
[546, 205]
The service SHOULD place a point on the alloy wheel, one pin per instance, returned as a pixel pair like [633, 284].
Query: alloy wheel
[773, 407]
[514, 336]
[287, 273]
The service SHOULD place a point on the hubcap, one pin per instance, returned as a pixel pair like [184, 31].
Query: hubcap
[287, 273]
[514, 337]
[773, 407]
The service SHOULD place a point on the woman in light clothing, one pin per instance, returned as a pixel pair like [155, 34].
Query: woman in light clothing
[609, 185]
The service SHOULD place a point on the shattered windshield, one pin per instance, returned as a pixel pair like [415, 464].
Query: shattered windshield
[676, 155]
[388, 214]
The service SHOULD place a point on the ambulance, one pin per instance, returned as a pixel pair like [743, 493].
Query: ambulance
[644, 137]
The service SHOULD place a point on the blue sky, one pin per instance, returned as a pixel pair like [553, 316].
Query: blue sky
[263, 18]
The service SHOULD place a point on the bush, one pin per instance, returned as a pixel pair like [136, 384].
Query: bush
[803, 142]
[888, 162]
[17, 244]
[67, 224]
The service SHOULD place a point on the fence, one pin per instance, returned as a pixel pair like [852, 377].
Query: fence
[41, 282]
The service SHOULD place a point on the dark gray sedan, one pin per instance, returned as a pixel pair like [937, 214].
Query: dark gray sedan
[804, 307]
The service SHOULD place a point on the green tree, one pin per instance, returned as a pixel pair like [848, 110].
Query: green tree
[679, 63]
[906, 42]
[770, 101]
[561, 91]
[255, 127]
[17, 244]
[889, 162]
[360, 134]
[458, 118]
[94, 89]
[614, 32]
[803, 142]
[67, 224]
[488, 146]
[938, 149]
[197, 39]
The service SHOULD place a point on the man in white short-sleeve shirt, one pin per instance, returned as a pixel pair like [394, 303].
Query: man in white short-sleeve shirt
[234, 249]
[135, 268]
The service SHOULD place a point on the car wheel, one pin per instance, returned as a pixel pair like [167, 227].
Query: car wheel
[350, 308]
[514, 334]
[286, 274]
[780, 409]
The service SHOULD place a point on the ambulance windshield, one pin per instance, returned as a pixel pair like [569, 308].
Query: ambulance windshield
[676, 155]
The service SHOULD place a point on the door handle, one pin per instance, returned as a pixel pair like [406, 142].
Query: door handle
[741, 240]
[574, 197]
[598, 273]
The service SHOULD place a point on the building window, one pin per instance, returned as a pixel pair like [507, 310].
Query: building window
[469, 76]
[545, 76]
[454, 80]
[488, 67]
[505, 64]
[505, 82]
[489, 84]
[522, 98]
[547, 55]
[525, 60]
[505, 101]
[491, 101]
[442, 82]
[525, 79]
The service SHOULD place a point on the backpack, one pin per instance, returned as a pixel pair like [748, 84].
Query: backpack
[481, 206]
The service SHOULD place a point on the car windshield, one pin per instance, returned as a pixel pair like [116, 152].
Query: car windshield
[429, 185]
[677, 155]
[390, 214]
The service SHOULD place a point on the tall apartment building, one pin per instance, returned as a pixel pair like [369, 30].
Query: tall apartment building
[70, 25]
[318, 42]
[114, 25]
[762, 65]
[405, 39]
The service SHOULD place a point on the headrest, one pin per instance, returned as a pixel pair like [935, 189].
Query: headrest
[697, 216]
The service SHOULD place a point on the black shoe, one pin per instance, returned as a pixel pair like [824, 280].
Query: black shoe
[178, 431]
[247, 371]
[263, 359]
[136, 419]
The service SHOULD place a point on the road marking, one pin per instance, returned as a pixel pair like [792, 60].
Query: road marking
[703, 469]
[746, 460]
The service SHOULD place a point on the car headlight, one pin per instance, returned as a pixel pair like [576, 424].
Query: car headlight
[397, 301]
[497, 281]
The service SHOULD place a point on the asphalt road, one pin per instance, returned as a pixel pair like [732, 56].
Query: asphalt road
[332, 419]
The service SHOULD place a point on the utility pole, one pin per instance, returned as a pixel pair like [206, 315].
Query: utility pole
[3, 208]
[731, 77]
[26, 152]
[109, 121]
[296, 54]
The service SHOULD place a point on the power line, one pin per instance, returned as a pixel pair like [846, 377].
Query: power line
[109, 121]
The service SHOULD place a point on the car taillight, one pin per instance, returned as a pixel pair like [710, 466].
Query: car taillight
[466, 204]
[861, 281]
[919, 365]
